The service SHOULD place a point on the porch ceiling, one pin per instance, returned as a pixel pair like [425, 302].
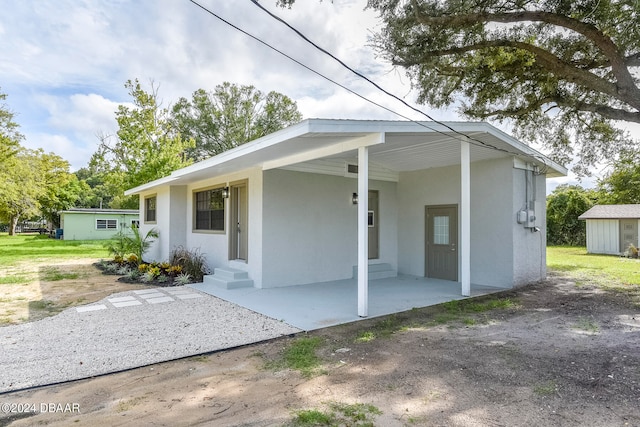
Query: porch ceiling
[404, 152]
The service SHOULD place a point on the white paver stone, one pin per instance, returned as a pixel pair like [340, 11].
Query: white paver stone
[154, 295]
[176, 291]
[121, 299]
[159, 300]
[188, 296]
[91, 308]
[145, 291]
[126, 303]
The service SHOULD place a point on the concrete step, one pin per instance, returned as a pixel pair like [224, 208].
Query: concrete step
[228, 278]
[377, 271]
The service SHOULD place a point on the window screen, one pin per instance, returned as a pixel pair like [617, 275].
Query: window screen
[209, 210]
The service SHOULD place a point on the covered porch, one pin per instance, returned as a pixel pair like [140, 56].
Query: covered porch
[320, 305]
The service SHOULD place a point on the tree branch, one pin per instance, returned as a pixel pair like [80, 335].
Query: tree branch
[626, 86]
[549, 61]
[604, 111]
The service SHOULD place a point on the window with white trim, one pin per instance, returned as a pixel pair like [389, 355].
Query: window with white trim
[106, 224]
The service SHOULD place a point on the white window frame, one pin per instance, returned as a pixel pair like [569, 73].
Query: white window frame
[107, 224]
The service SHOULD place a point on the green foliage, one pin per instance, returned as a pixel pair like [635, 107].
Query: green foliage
[138, 244]
[117, 246]
[19, 181]
[9, 136]
[474, 306]
[53, 274]
[192, 263]
[132, 246]
[561, 72]
[338, 414]
[183, 279]
[622, 184]
[35, 182]
[313, 417]
[300, 355]
[229, 116]
[564, 205]
[146, 147]
[60, 188]
[547, 388]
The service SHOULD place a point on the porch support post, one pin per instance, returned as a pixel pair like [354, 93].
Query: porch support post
[363, 231]
[465, 218]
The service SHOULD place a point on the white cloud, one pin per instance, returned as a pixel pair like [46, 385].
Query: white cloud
[64, 63]
[76, 155]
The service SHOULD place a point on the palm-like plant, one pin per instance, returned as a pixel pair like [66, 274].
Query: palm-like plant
[139, 244]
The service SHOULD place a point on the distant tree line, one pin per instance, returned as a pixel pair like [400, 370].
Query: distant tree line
[150, 143]
[567, 202]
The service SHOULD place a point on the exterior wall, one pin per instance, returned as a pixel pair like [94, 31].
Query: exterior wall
[603, 236]
[529, 247]
[82, 225]
[491, 217]
[216, 245]
[310, 227]
[170, 221]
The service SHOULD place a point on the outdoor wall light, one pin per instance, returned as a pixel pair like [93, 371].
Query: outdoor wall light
[225, 192]
[354, 198]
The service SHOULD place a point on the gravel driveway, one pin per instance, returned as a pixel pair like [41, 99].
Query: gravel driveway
[126, 330]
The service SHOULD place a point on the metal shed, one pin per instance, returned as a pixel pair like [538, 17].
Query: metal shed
[611, 229]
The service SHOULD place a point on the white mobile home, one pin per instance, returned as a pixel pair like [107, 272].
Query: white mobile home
[327, 200]
[612, 228]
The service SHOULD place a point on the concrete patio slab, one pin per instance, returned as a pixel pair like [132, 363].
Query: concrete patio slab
[320, 305]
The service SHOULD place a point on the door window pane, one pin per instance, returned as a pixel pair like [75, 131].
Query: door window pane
[441, 230]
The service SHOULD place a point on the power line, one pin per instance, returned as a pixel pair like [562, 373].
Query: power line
[362, 76]
[295, 60]
[471, 140]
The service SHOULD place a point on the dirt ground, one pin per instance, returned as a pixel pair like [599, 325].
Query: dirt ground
[558, 355]
[39, 289]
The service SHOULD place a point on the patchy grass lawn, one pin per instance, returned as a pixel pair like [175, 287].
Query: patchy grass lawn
[40, 277]
[26, 247]
[604, 271]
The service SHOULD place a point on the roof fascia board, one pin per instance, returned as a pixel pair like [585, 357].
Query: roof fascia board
[250, 147]
[260, 143]
[526, 150]
[340, 147]
[149, 185]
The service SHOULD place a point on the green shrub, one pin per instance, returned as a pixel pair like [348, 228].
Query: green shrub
[183, 279]
[192, 262]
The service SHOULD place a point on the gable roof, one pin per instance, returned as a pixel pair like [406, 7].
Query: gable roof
[394, 145]
[612, 212]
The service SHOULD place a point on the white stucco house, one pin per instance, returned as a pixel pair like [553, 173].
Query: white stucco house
[326, 200]
[612, 228]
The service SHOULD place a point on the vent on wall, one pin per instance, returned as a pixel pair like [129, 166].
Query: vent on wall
[352, 168]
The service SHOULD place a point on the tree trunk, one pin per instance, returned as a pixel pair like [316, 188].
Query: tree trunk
[13, 223]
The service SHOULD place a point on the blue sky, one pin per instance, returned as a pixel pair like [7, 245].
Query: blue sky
[64, 62]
